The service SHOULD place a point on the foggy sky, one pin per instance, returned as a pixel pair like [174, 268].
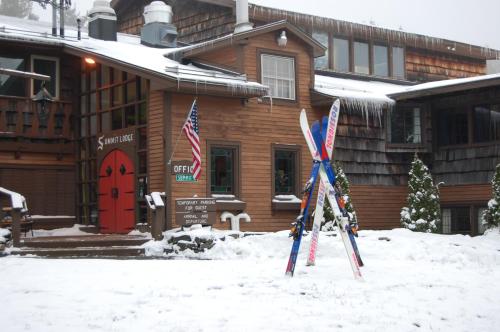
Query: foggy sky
[474, 22]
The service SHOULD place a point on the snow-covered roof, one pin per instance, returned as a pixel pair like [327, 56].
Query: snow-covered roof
[128, 51]
[361, 95]
[445, 86]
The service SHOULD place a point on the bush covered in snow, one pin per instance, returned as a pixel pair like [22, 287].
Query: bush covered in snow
[344, 185]
[491, 217]
[422, 213]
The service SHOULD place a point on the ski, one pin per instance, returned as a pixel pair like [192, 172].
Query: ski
[327, 176]
[300, 222]
[328, 132]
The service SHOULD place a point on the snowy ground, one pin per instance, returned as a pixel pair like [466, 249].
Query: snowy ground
[414, 282]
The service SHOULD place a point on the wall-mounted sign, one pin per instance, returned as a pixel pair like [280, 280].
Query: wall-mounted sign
[191, 211]
[116, 139]
[123, 139]
[183, 170]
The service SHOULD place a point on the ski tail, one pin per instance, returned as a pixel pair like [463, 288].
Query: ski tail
[301, 219]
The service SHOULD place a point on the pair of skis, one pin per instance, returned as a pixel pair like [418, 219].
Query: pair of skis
[320, 143]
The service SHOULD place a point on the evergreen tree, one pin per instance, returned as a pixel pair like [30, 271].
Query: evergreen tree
[16, 8]
[343, 184]
[491, 217]
[422, 213]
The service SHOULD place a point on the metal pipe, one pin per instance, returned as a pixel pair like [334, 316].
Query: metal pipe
[61, 18]
[79, 26]
[242, 22]
[24, 74]
[54, 18]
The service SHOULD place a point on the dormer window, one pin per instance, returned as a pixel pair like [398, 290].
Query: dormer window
[278, 73]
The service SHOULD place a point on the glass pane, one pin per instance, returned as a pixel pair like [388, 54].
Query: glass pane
[453, 127]
[117, 76]
[143, 163]
[83, 104]
[322, 37]
[118, 95]
[380, 61]
[221, 172]
[486, 123]
[93, 104]
[104, 99]
[398, 62]
[130, 116]
[142, 113]
[284, 172]
[93, 125]
[143, 88]
[105, 75]
[446, 221]
[93, 79]
[361, 58]
[116, 119]
[131, 91]
[45, 67]
[83, 83]
[460, 220]
[143, 143]
[105, 121]
[12, 85]
[341, 54]
[405, 125]
[83, 128]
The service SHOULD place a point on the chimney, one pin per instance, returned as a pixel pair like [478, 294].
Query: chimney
[242, 22]
[158, 30]
[102, 21]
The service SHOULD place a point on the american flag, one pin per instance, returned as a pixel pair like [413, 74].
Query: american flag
[191, 130]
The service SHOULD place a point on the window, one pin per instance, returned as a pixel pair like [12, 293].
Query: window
[278, 73]
[341, 54]
[380, 61]
[398, 62]
[224, 168]
[361, 58]
[12, 85]
[453, 127]
[486, 123]
[405, 126]
[286, 161]
[46, 66]
[456, 220]
[321, 62]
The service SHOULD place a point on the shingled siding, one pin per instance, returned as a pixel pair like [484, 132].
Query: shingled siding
[423, 66]
[156, 142]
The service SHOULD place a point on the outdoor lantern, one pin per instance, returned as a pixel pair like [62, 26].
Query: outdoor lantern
[282, 39]
[42, 98]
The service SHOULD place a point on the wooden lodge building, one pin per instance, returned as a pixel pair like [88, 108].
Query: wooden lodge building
[120, 100]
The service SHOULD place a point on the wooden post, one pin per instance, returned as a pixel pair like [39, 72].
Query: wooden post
[16, 227]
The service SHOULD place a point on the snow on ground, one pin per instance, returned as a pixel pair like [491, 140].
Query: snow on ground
[414, 282]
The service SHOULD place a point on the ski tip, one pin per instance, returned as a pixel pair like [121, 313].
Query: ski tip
[310, 263]
[289, 274]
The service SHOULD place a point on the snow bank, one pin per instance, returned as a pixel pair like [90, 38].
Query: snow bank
[413, 282]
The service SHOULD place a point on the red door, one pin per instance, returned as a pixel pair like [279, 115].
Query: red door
[116, 193]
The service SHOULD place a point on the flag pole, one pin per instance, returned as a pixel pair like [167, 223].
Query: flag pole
[179, 136]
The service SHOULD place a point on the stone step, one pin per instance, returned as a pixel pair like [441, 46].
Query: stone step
[84, 241]
[82, 252]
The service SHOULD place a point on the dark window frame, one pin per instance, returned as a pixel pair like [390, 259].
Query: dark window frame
[297, 149]
[406, 107]
[277, 100]
[473, 208]
[57, 60]
[236, 147]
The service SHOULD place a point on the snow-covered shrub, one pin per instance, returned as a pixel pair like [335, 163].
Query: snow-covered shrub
[491, 217]
[422, 213]
[344, 185]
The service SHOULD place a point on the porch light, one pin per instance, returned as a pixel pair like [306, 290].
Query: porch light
[282, 40]
[90, 61]
[42, 99]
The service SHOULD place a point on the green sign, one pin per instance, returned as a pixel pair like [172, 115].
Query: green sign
[184, 178]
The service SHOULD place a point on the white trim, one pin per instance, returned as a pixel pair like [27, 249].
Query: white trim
[291, 80]
[57, 78]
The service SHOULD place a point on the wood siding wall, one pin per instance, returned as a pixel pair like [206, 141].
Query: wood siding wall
[378, 207]
[465, 194]
[423, 66]
[156, 141]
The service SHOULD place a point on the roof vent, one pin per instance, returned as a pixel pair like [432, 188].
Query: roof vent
[102, 21]
[158, 31]
[242, 22]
